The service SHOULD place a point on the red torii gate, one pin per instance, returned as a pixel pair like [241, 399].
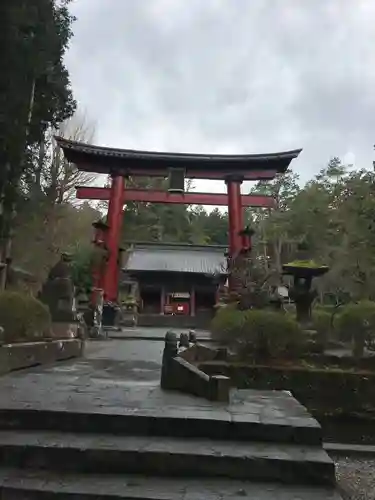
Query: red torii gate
[124, 163]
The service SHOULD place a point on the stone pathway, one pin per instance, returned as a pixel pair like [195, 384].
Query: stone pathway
[104, 378]
[120, 379]
[114, 377]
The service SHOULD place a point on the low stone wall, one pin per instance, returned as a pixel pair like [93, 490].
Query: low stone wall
[199, 353]
[322, 391]
[183, 376]
[344, 362]
[179, 372]
[24, 355]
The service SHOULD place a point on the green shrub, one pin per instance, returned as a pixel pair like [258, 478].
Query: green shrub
[82, 268]
[324, 307]
[322, 323]
[261, 333]
[356, 324]
[23, 317]
[227, 324]
[270, 334]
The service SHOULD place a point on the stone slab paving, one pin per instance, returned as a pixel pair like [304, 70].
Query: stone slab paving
[151, 488]
[114, 378]
[113, 373]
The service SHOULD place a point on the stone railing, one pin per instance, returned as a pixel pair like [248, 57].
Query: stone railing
[27, 354]
[179, 373]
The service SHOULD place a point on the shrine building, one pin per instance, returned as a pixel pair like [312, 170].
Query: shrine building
[174, 279]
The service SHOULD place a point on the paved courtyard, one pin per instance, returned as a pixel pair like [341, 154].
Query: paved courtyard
[121, 376]
[104, 378]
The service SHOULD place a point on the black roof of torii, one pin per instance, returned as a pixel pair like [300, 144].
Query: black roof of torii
[100, 159]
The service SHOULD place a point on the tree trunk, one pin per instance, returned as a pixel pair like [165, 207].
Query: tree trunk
[277, 246]
[8, 203]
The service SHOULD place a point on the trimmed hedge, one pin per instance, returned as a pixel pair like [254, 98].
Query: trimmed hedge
[322, 324]
[324, 392]
[262, 333]
[227, 324]
[23, 317]
[356, 324]
[267, 333]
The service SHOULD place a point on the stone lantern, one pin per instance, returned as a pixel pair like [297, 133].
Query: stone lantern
[303, 271]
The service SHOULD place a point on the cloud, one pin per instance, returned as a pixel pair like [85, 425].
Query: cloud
[233, 76]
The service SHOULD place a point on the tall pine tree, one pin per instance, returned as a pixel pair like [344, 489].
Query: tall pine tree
[34, 92]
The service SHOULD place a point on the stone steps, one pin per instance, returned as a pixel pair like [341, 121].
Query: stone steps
[163, 456]
[40, 485]
[173, 422]
[91, 446]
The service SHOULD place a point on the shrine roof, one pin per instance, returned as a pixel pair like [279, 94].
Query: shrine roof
[128, 161]
[175, 258]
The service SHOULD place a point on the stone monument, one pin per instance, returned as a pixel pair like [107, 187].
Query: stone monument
[58, 293]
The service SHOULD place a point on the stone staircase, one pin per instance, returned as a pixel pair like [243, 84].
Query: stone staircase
[262, 445]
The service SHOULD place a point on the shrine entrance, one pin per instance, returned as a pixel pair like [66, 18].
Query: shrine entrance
[121, 164]
[150, 299]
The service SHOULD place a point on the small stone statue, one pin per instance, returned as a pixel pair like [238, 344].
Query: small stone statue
[192, 337]
[58, 291]
[170, 346]
[62, 269]
[184, 340]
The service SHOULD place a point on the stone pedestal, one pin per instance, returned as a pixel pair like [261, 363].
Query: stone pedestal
[220, 388]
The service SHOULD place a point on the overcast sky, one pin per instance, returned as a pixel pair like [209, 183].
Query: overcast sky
[229, 76]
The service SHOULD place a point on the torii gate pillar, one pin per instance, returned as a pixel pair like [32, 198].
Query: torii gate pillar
[235, 215]
[114, 222]
[98, 265]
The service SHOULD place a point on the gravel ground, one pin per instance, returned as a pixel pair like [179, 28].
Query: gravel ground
[355, 477]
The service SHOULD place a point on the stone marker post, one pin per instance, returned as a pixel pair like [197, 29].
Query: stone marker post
[170, 352]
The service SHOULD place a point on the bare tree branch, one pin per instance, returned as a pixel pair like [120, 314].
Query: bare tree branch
[63, 175]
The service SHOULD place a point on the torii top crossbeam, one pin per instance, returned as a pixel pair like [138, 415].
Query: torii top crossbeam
[128, 162]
